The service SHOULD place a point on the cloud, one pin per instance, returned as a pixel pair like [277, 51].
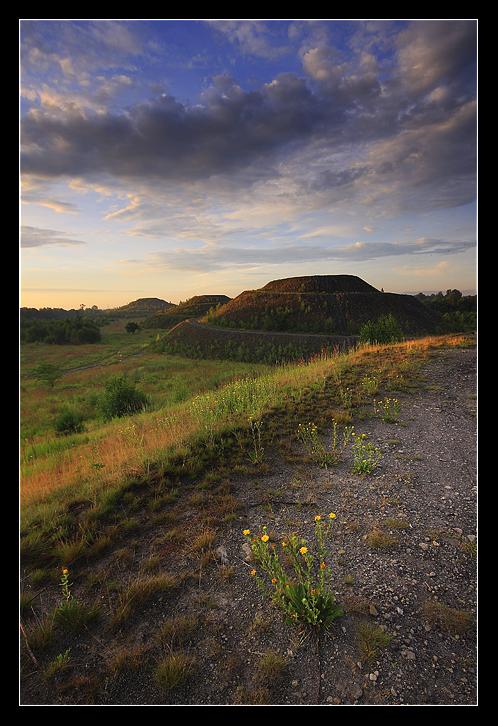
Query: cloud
[37, 237]
[216, 257]
[251, 38]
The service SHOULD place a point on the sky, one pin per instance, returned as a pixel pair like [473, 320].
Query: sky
[168, 158]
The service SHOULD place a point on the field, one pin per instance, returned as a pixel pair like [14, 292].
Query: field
[167, 380]
[147, 517]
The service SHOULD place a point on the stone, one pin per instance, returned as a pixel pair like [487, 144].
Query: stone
[222, 554]
[373, 677]
[247, 552]
[423, 546]
[373, 610]
[471, 537]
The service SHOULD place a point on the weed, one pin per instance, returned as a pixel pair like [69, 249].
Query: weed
[309, 437]
[370, 385]
[257, 453]
[299, 587]
[387, 409]
[371, 638]
[366, 456]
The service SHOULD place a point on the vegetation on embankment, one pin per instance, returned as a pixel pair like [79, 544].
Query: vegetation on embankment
[327, 304]
[195, 307]
[97, 465]
[196, 340]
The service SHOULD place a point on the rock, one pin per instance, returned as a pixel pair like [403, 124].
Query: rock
[341, 552]
[471, 537]
[423, 546]
[247, 552]
[373, 677]
[295, 684]
[373, 610]
[222, 554]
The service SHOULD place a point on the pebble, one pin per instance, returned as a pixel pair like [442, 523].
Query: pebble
[423, 546]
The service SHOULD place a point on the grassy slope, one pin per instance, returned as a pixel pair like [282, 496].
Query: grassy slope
[175, 474]
[49, 461]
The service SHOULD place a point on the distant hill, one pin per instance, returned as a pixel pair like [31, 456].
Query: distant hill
[327, 304]
[195, 307]
[142, 307]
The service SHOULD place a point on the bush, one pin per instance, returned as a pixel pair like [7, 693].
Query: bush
[385, 329]
[69, 422]
[121, 398]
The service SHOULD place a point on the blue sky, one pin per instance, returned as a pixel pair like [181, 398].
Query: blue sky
[174, 158]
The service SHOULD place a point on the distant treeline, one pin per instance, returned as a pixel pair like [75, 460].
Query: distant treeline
[458, 312]
[60, 313]
[73, 331]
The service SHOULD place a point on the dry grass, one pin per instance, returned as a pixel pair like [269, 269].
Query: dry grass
[371, 639]
[138, 592]
[449, 619]
[178, 630]
[173, 671]
[379, 540]
[270, 669]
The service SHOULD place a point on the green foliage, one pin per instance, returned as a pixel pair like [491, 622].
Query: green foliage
[121, 398]
[300, 583]
[68, 422]
[72, 331]
[387, 409]
[310, 438]
[385, 329]
[47, 373]
[366, 456]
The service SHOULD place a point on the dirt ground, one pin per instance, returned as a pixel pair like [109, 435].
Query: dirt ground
[423, 495]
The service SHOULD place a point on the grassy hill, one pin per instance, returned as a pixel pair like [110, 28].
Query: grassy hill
[333, 304]
[195, 307]
[141, 308]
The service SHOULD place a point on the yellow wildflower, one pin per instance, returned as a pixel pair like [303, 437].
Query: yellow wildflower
[317, 518]
[322, 565]
[65, 571]
[265, 538]
[303, 550]
[246, 531]
[332, 515]
[253, 572]
[284, 544]
[273, 580]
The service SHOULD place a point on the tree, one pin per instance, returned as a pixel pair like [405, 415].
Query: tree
[132, 327]
[47, 373]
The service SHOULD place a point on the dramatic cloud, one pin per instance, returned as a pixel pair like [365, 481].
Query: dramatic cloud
[214, 257]
[36, 237]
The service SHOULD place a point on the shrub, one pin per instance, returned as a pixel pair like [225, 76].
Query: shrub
[121, 398]
[385, 329]
[69, 422]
